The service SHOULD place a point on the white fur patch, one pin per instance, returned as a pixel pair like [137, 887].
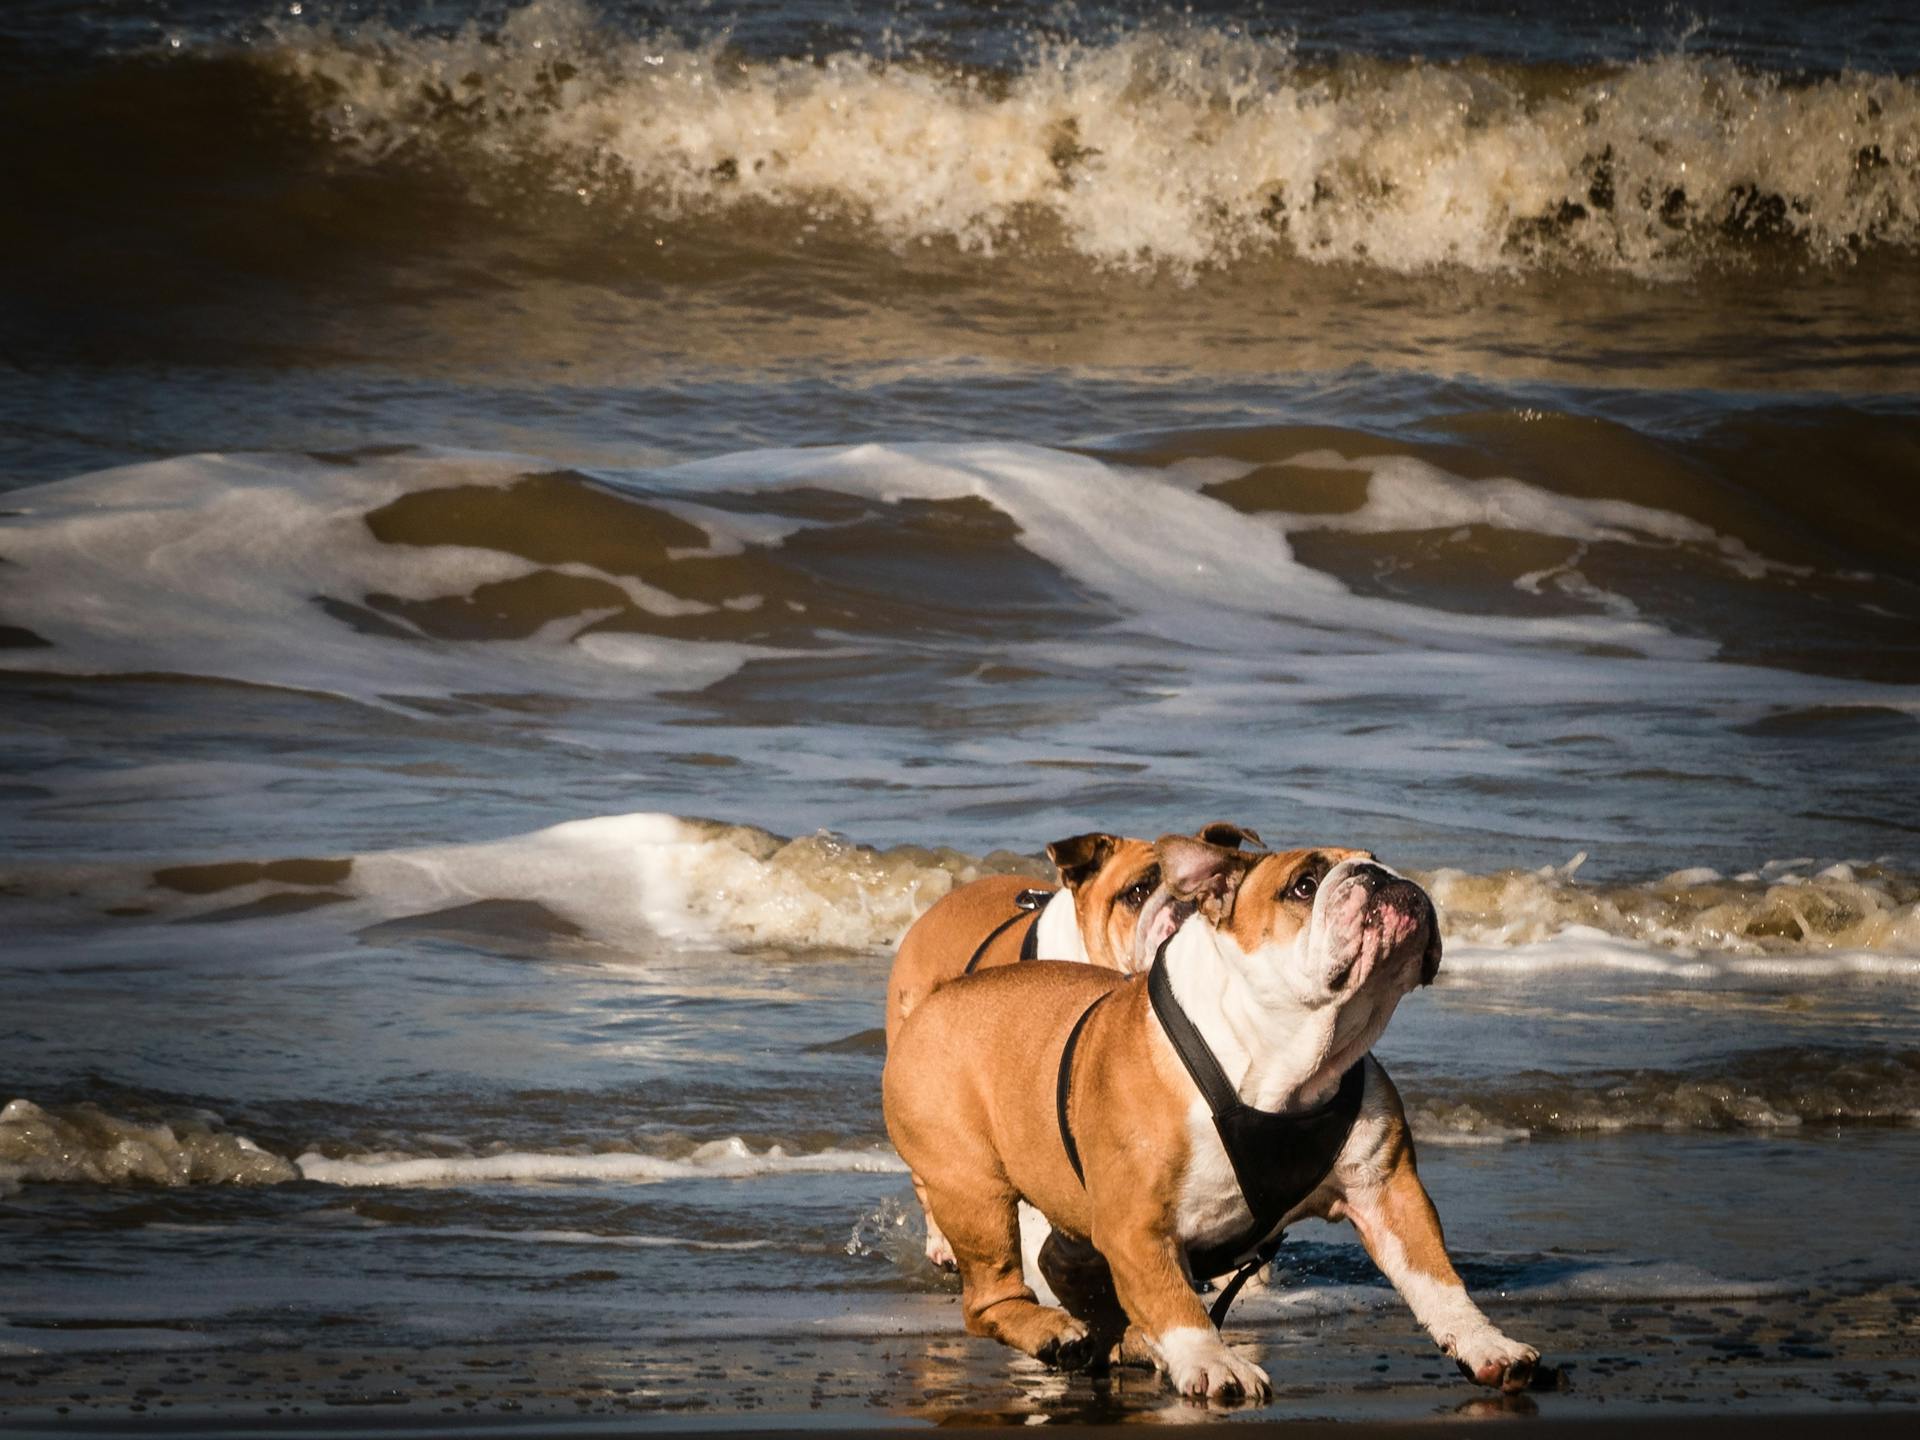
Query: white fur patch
[1034, 1231]
[1197, 1362]
[1211, 1207]
[1458, 1326]
[1058, 937]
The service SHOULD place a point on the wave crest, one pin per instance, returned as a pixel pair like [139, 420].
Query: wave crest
[1785, 907]
[1184, 147]
[83, 1143]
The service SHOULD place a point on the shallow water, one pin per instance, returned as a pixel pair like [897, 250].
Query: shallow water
[532, 546]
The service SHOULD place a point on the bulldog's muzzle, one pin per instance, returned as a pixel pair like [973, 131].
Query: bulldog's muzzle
[1378, 923]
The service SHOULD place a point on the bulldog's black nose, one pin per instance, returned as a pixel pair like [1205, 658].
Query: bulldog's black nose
[1371, 876]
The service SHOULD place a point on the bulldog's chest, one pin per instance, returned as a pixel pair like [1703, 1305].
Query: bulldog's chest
[1211, 1207]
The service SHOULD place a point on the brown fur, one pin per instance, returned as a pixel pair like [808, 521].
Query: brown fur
[1106, 874]
[938, 945]
[980, 1137]
[969, 1095]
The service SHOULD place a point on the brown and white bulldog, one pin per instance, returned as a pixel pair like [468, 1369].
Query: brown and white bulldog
[1111, 910]
[1287, 973]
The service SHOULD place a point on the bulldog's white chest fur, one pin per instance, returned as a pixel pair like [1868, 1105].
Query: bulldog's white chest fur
[1058, 936]
[1211, 1207]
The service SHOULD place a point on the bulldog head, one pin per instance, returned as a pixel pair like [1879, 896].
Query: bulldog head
[1123, 907]
[1311, 930]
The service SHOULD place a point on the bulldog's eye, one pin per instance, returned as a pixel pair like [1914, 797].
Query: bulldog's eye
[1304, 887]
[1135, 895]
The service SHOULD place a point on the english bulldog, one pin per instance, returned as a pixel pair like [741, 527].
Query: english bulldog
[1174, 1120]
[1111, 910]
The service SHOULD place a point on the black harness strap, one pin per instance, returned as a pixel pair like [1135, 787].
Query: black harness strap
[1261, 1258]
[1279, 1159]
[1028, 905]
[1063, 1088]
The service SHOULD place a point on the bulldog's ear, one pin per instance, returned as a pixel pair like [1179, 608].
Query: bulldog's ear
[1225, 832]
[1207, 874]
[1078, 858]
[1430, 962]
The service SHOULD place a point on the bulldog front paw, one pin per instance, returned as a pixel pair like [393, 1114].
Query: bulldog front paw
[1493, 1360]
[1070, 1347]
[1200, 1367]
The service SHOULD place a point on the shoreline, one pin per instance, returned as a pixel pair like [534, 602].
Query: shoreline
[1759, 1366]
[1865, 1424]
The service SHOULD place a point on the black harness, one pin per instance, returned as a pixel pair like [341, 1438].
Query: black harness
[1278, 1159]
[1027, 906]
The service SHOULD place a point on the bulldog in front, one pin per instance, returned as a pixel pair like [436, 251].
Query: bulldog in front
[1175, 1122]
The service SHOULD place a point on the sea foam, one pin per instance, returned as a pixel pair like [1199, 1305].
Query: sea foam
[84, 1144]
[1181, 146]
[610, 886]
[257, 568]
[729, 1159]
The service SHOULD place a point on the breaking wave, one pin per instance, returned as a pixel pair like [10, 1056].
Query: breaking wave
[1781, 1089]
[1182, 147]
[1782, 908]
[623, 880]
[84, 1144]
[1761, 1090]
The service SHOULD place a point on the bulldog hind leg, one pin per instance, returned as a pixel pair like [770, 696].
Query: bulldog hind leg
[939, 1248]
[984, 1231]
[1080, 1276]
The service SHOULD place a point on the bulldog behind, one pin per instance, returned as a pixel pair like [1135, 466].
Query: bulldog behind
[1289, 971]
[1111, 910]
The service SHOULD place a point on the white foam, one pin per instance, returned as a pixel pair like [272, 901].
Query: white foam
[1184, 146]
[730, 1159]
[1405, 492]
[624, 882]
[1183, 564]
[629, 876]
[1861, 918]
[1584, 949]
[84, 1144]
[213, 565]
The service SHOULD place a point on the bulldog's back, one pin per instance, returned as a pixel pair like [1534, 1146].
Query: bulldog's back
[938, 945]
[978, 1064]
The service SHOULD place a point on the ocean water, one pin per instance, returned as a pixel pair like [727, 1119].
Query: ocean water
[535, 539]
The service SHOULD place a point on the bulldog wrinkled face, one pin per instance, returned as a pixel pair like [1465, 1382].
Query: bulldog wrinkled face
[1119, 893]
[1346, 924]
[1114, 880]
[1315, 926]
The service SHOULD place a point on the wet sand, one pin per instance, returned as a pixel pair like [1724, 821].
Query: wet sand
[1787, 1362]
